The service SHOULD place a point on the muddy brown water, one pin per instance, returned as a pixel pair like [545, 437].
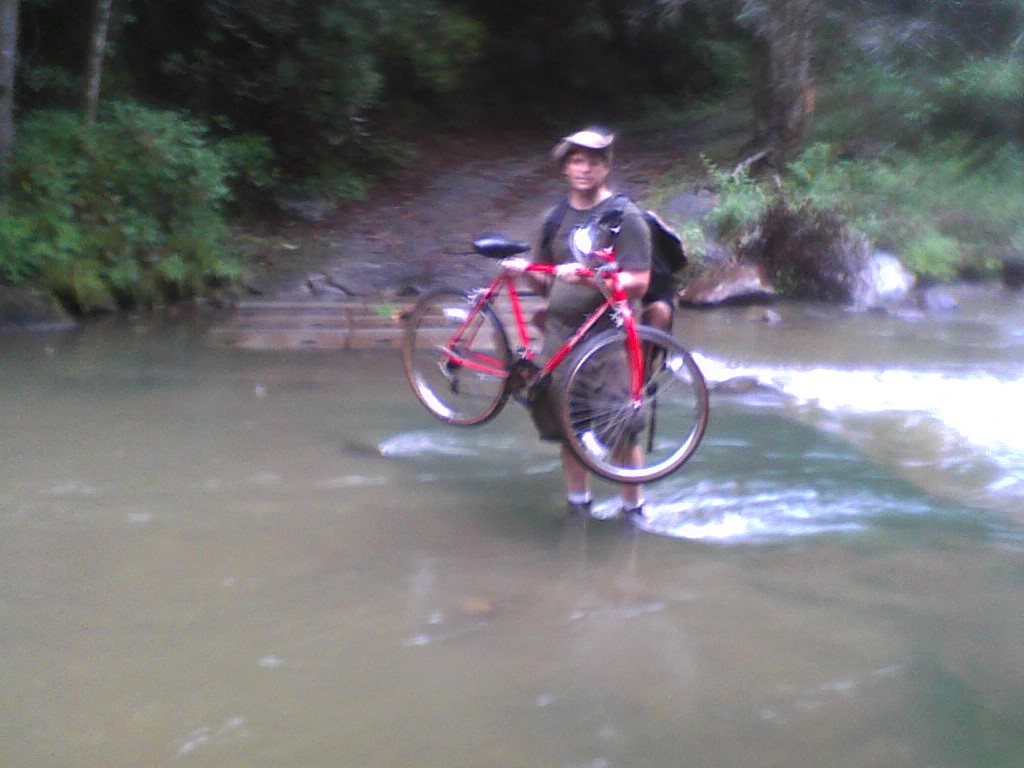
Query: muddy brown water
[224, 557]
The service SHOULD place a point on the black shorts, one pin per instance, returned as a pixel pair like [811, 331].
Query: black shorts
[661, 288]
[609, 390]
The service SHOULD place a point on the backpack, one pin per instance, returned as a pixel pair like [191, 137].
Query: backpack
[667, 253]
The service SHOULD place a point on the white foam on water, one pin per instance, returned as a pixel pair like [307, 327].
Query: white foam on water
[735, 512]
[976, 412]
[436, 442]
[351, 481]
[459, 442]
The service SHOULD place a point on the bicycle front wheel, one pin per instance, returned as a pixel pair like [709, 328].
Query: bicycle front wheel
[626, 441]
[457, 358]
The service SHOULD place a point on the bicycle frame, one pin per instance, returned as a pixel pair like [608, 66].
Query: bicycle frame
[615, 299]
[459, 358]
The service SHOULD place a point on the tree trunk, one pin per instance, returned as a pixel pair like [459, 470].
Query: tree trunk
[97, 49]
[784, 94]
[8, 64]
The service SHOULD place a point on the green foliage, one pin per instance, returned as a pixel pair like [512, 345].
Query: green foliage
[695, 241]
[742, 200]
[946, 211]
[251, 168]
[984, 96]
[809, 251]
[126, 212]
[932, 254]
[949, 210]
[426, 48]
[326, 83]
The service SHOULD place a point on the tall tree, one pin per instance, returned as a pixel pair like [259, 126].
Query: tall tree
[782, 46]
[97, 50]
[783, 94]
[8, 64]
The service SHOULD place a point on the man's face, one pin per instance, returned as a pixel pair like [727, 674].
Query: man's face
[586, 170]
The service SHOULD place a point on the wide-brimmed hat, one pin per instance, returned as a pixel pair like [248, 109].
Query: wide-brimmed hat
[596, 139]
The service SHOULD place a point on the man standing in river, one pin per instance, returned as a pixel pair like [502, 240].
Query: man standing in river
[584, 159]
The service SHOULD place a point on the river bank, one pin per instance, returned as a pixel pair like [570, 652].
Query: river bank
[415, 229]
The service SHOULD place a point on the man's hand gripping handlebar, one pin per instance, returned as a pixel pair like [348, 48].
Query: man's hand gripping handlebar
[572, 273]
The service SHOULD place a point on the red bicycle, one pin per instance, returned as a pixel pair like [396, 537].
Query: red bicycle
[634, 404]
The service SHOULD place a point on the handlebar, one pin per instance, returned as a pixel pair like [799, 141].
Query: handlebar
[606, 270]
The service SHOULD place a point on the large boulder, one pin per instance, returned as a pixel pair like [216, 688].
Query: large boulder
[729, 282]
[882, 282]
[21, 310]
[1013, 272]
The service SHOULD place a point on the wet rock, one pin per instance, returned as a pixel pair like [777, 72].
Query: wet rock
[307, 209]
[730, 282]
[937, 299]
[360, 448]
[737, 385]
[325, 285]
[22, 310]
[689, 206]
[882, 282]
[1013, 273]
[765, 315]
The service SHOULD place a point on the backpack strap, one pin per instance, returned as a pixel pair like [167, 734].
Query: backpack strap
[552, 223]
[613, 216]
[557, 215]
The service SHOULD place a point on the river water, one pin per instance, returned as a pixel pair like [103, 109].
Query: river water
[214, 557]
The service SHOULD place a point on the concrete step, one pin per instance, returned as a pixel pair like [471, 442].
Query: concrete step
[287, 324]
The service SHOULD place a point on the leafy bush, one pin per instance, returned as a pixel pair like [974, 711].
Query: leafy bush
[126, 212]
[948, 211]
[984, 97]
[810, 252]
[325, 82]
[742, 200]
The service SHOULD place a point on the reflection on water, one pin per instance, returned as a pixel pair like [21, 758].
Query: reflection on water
[222, 558]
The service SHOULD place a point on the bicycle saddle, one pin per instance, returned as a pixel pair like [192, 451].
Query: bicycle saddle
[499, 246]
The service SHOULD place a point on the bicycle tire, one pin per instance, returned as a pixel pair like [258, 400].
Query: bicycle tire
[443, 377]
[614, 437]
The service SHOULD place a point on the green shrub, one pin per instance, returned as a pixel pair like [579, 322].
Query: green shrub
[949, 210]
[809, 251]
[695, 241]
[742, 200]
[932, 254]
[984, 97]
[126, 212]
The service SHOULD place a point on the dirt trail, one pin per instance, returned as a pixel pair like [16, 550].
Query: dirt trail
[417, 230]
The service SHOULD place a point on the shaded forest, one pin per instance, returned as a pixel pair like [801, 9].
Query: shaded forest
[134, 132]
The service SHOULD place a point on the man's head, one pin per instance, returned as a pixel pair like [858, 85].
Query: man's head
[597, 141]
[585, 159]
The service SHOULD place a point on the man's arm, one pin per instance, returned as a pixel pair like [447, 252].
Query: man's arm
[517, 267]
[633, 281]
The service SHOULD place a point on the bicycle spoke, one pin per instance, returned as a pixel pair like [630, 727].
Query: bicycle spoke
[628, 441]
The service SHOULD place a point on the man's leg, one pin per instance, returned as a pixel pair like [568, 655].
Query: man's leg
[657, 314]
[577, 482]
[632, 495]
[577, 477]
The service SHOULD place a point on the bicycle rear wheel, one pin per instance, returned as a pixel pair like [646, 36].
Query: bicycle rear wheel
[631, 442]
[456, 358]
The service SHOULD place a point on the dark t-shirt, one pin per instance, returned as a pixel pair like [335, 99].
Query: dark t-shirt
[569, 305]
